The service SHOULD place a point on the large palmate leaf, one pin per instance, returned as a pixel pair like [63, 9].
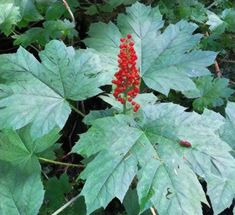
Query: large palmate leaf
[21, 150]
[9, 16]
[166, 60]
[38, 93]
[210, 92]
[168, 171]
[20, 193]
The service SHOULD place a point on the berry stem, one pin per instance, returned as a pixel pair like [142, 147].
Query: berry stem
[124, 105]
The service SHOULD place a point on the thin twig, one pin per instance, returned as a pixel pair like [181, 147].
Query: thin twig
[69, 10]
[217, 69]
[215, 3]
[227, 61]
[66, 205]
[231, 82]
[60, 163]
[153, 211]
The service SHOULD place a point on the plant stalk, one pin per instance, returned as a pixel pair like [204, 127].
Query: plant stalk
[69, 10]
[77, 111]
[66, 205]
[60, 163]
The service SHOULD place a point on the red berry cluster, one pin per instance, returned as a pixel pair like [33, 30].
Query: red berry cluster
[127, 78]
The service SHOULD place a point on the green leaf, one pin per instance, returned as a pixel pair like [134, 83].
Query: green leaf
[229, 17]
[171, 185]
[20, 193]
[51, 30]
[105, 39]
[76, 75]
[166, 60]
[56, 188]
[210, 92]
[33, 102]
[131, 203]
[38, 92]
[93, 115]
[78, 207]
[60, 29]
[112, 175]
[227, 132]
[28, 11]
[92, 10]
[9, 17]
[55, 9]
[218, 24]
[21, 150]
[33, 35]
[215, 22]
[167, 172]
[221, 192]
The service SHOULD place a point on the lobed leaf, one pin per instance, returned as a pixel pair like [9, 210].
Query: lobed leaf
[20, 193]
[167, 172]
[38, 93]
[166, 60]
[9, 17]
[209, 93]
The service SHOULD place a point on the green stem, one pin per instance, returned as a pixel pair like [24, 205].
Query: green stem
[124, 105]
[60, 163]
[124, 108]
[77, 111]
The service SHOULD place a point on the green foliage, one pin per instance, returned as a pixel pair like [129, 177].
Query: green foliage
[105, 159]
[51, 30]
[210, 93]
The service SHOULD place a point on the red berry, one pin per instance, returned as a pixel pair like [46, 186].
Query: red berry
[131, 43]
[122, 40]
[129, 99]
[129, 36]
[127, 78]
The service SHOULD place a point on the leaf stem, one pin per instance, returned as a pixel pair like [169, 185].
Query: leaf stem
[124, 105]
[69, 10]
[66, 205]
[77, 111]
[153, 211]
[60, 163]
[124, 108]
